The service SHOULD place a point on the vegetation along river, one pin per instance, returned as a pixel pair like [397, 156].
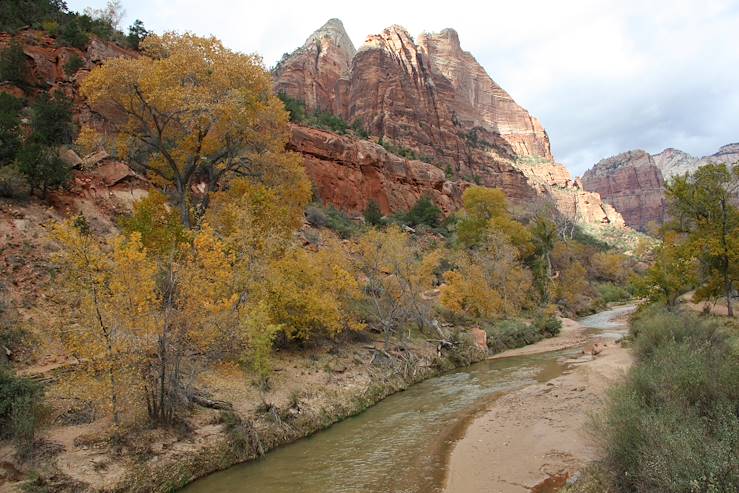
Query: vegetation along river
[400, 444]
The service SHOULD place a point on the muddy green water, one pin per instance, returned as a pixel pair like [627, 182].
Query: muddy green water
[399, 445]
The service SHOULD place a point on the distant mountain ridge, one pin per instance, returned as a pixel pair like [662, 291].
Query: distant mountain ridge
[633, 182]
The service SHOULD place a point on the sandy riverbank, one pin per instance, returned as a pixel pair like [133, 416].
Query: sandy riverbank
[539, 433]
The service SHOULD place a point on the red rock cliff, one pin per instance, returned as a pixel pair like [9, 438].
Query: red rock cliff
[632, 183]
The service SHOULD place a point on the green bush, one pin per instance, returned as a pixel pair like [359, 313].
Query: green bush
[13, 64]
[373, 214]
[295, 109]
[548, 326]
[51, 120]
[20, 410]
[673, 426]
[10, 108]
[610, 292]
[398, 150]
[509, 334]
[424, 211]
[13, 183]
[43, 168]
[340, 223]
[73, 65]
[72, 35]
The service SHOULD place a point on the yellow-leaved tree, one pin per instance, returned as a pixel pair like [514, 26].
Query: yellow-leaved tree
[112, 323]
[192, 114]
[397, 274]
[489, 281]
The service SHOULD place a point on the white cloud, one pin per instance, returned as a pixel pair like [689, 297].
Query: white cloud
[603, 76]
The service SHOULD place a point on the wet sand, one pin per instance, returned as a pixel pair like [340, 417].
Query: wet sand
[539, 433]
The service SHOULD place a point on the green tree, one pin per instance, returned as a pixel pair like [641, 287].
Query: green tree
[136, 34]
[42, 167]
[544, 233]
[51, 120]
[13, 64]
[10, 108]
[703, 205]
[424, 211]
[373, 214]
[72, 35]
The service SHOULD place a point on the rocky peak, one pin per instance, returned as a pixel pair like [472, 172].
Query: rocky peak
[673, 162]
[317, 72]
[479, 100]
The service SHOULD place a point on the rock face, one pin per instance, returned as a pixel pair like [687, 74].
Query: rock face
[632, 183]
[674, 162]
[350, 173]
[432, 98]
[318, 72]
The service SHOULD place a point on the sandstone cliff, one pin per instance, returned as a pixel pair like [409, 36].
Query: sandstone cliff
[434, 98]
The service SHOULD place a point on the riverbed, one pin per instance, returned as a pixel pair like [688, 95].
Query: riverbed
[403, 443]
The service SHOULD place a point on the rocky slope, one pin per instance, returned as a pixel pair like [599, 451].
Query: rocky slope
[633, 182]
[433, 98]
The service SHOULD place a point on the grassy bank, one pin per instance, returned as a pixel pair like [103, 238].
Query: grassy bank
[673, 425]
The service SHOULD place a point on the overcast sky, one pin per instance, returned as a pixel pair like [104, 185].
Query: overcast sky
[603, 76]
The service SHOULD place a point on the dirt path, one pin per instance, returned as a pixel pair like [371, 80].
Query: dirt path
[538, 434]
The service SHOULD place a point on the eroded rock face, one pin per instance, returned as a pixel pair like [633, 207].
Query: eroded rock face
[349, 173]
[478, 100]
[632, 183]
[318, 72]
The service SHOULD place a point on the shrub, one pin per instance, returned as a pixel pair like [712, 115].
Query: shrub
[42, 167]
[674, 424]
[548, 325]
[51, 120]
[295, 109]
[398, 150]
[20, 410]
[13, 183]
[340, 223]
[359, 130]
[72, 35]
[610, 292]
[423, 212]
[73, 65]
[10, 108]
[509, 334]
[13, 64]
[316, 216]
[373, 214]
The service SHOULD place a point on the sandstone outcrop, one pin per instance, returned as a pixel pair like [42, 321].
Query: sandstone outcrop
[632, 183]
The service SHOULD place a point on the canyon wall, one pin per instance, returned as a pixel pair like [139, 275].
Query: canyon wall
[430, 98]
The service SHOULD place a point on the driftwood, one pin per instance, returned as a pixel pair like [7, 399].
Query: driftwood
[201, 400]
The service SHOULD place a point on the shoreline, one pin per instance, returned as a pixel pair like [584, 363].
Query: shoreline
[536, 437]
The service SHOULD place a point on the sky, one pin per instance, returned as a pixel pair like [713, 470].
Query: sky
[603, 76]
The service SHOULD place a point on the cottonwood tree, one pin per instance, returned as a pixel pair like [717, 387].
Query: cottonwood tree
[704, 207]
[114, 299]
[193, 114]
[488, 282]
[396, 276]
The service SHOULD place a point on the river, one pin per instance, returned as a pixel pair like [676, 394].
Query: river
[400, 444]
